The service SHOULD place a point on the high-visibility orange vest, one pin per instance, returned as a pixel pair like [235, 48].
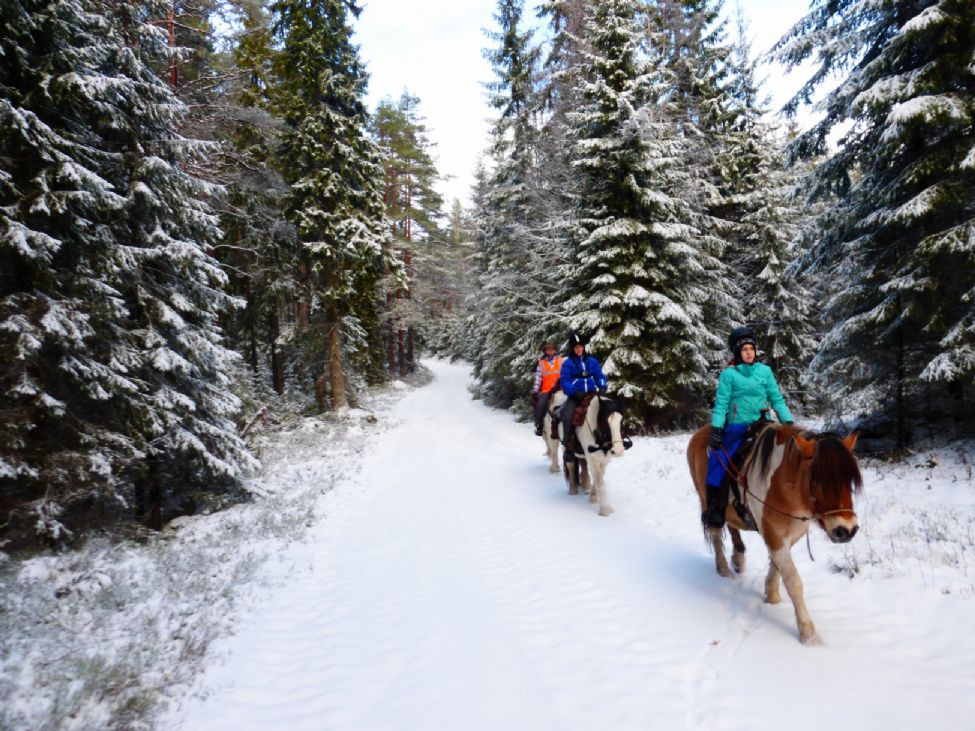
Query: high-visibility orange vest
[550, 372]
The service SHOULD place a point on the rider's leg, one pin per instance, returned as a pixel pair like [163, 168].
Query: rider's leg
[540, 407]
[718, 482]
[565, 416]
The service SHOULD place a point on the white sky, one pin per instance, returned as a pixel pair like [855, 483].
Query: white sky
[434, 49]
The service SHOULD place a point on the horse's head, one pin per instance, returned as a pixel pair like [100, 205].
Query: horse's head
[610, 425]
[834, 478]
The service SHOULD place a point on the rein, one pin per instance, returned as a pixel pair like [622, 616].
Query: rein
[739, 476]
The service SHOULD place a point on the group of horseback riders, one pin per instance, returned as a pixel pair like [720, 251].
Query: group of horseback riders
[746, 389]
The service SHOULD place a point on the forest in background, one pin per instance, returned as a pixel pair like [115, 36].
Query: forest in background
[200, 218]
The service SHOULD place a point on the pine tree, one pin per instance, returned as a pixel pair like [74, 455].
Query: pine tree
[116, 394]
[900, 236]
[634, 286]
[335, 177]
[414, 207]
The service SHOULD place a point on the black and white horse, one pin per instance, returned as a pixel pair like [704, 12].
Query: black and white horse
[601, 439]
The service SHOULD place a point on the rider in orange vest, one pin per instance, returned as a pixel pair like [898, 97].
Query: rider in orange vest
[546, 378]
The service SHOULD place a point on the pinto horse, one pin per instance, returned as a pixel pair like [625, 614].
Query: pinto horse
[555, 401]
[792, 478]
[600, 438]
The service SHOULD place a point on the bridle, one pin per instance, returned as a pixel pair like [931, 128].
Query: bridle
[740, 477]
[606, 446]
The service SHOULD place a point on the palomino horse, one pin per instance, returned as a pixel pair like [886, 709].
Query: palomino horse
[792, 478]
[601, 438]
[555, 401]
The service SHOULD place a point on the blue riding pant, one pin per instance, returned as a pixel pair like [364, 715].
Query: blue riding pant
[717, 462]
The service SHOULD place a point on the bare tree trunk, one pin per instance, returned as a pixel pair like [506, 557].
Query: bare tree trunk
[303, 306]
[901, 415]
[340, 395]
[171, 24]
[277, 364]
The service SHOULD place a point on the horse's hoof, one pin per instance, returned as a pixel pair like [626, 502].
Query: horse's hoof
[593, 497]
[773, 599]
[605, 512]
[725, 572]
[810, 638]
[554, 470]
[738, 561]
[573, 490]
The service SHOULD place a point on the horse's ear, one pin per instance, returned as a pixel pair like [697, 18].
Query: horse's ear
[806, 446]
[851, 441]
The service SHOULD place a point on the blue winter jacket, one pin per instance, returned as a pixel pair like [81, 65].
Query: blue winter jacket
[743, 391]
[581, 375]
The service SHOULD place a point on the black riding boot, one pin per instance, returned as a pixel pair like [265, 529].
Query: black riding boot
[717, 504]
[565, 416]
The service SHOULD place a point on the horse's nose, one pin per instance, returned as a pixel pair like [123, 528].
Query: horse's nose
[841, 534]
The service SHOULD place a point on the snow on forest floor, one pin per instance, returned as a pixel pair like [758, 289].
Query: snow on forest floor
[98, 638]
[422, 569]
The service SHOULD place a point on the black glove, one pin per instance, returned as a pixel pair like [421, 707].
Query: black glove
[717, 435]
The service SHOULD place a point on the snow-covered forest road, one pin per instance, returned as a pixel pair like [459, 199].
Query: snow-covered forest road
[455, 585]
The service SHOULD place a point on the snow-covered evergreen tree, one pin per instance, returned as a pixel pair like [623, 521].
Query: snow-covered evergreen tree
[901, 237]
[116, 389]
[336, 194]
[764, 224]
[504, 360]
[636, 282]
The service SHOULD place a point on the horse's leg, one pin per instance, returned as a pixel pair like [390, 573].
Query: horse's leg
[584, 479]
[738, 557]
[716, 537]
[571, 473]
[553, 452]
[772, 582]
[793, 585]
[604, 507]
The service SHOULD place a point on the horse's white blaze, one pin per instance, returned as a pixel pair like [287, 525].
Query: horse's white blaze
[759, 484]
[616, 434]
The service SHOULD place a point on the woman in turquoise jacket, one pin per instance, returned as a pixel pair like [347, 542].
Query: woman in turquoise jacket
[745, 389]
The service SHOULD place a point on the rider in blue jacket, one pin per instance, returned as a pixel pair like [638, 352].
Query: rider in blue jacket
[580, 374]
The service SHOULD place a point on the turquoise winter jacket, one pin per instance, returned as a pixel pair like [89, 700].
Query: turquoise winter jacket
[743, 391]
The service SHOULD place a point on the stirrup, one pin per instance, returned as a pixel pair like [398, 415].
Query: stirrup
[745, 514]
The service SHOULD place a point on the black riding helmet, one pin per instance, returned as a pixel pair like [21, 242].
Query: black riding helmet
[740, 337]
[576, 338]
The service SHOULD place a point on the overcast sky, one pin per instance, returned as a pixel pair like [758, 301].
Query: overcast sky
[433, 48]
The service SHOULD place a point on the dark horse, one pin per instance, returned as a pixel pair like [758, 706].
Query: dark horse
[792, 478]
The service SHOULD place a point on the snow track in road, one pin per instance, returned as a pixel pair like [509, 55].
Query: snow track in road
[455, 585]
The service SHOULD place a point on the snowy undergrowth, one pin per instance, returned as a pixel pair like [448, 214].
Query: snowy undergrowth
[99, 637]
[918, 518]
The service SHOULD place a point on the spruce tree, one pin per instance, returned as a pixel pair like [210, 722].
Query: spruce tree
[900, 235]
[635, 285]
[335, 198]
[116, 391]
[764, 224]
[504, 363]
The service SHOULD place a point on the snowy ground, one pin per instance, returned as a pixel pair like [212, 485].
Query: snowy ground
[423, 570]
[454, 585]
